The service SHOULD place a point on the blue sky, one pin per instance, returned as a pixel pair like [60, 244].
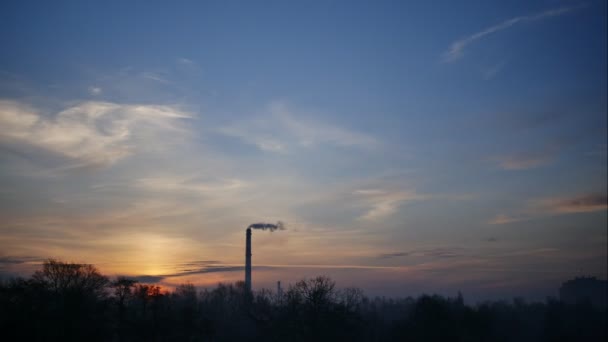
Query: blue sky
[431, 147]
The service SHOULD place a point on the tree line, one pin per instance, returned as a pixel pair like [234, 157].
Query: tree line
[75, 302]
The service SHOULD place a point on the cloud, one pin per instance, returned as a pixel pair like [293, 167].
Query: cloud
[186, 61]
[95, 91]
[312, 133]
[282, 130]
[88, 133]
[205, 270]
[14, 260]
[212, 193]
[553, 206]
[216, 269]
[229, 268]
[456, 49]
[383, 203]
[504, 219]
[265, 141]
[189, 185]
[147, 278]
[154, 76]
[527, 160]
[450, 252]
[394, 255]
[585, 203]
[491, 72]
[188, 66]
[13, 266]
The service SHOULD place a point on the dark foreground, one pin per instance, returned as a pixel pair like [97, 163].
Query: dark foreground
[73, 302]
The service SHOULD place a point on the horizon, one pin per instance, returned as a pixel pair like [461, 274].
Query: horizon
[408, 148]
[203, 279]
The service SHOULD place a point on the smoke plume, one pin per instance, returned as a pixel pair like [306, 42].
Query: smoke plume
[268, 226]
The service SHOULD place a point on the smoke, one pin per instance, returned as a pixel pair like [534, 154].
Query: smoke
[268, 226]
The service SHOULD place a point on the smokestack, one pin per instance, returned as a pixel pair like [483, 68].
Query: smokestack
[262, 226]
[248, 261]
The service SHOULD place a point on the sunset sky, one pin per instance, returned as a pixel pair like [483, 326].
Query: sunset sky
[408, 147]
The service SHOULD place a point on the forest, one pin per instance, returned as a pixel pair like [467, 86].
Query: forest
[75, 302]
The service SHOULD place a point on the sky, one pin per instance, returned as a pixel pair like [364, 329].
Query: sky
[409, 147]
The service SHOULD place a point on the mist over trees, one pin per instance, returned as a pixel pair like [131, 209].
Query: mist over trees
[75, 302]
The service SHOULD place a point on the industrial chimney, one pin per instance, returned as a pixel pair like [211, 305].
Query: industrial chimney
[262, 226]
[248, 261]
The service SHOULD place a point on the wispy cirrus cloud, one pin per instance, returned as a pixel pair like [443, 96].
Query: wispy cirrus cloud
[88, 134]
[13, 260]
[456, 49]
[534, 157]
[553, 206]
[283, 129]
[504, 219]
[584, 203]
[441, 252]
[230, 268]
[491, 71]
[185, 184]
[524, 161]
[11, 265]
[188, 63]
[382, 203]
[155, 76]
[93, 90]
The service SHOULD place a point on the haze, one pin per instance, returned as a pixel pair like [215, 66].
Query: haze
[408, 147]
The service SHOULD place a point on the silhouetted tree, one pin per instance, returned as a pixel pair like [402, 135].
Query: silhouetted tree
[122, 289]
[122, 293]
[77, 279]
[73, 298]
[72, 302]
[351, 298]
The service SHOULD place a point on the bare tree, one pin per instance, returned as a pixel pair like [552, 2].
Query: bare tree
[122, 291]
[63, 277]
[317, 292]
[351, 298]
